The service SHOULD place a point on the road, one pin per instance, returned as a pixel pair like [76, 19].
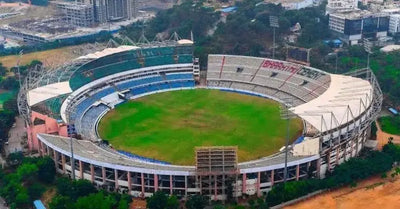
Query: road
[16, 136]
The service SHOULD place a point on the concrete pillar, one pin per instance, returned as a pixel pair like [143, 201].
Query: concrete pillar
[328, 154]
[170, 184]
[215, 187]
[81, 169]
[272, 177]
[258, 184]
[357, 143]
[337, 155]
[129, 182]
[40, 146]
[92, 173]
[116, 179]
[48, 150]
[351, 149]
[103, 174]
[244, 183]
[63, 162]
[142, 181]
[55, 157]
[186, 186]
[200, 183]
[155, 182]
[297, 172]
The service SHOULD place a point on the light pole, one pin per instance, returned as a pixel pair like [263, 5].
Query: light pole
[273, 22]
[368, 48]
[286, 114]
[71, 132]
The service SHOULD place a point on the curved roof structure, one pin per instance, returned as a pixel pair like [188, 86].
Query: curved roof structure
[90, 152]
[108, 51]
[44, 93]
[346, 98]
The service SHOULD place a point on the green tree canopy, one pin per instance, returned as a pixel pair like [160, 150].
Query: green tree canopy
[196, 202]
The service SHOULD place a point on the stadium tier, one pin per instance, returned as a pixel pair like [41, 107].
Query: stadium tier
[337, 111]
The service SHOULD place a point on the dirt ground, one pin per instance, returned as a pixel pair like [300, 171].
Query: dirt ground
[48, 195]
[138, 203]
[50, 58]
[383, 137]
[26, 12]
[374, 193]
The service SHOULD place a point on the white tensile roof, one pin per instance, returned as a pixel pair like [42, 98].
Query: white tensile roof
[108, 51]
[43, 93]
[346, 98]
[185, 41]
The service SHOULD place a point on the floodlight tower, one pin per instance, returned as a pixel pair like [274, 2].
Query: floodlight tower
[71, 133]
[273, 22]
[287, 115]
[368, 48]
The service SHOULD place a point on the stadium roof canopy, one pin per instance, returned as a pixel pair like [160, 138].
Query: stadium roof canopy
[185, 41]
[345, 99]
[108, 51]
[44, 93]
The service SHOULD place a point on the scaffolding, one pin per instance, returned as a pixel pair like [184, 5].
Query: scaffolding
[216, 168]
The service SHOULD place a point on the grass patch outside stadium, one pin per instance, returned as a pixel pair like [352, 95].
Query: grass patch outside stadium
[390, 124]
[168, 126]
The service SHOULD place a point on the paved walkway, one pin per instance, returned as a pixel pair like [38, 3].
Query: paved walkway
[16, 136]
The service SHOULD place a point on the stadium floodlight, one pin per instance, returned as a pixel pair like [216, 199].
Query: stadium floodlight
[286, 114]
[72, 132]
[274, 23]
[368, 48]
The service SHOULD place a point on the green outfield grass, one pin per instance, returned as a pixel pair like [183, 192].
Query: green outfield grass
[168, 126]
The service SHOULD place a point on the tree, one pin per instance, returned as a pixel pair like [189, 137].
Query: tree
[15, 158]
[47, 170]
[158, 200]
[96, 201]
[123, 204]
[22, 198]
[196, 202]
[10, 83]
[74, 189]
[27, 172]
[11, 105]
[261, 204]
[6, 120]
[83, 188]
[173, 202]
[35, 191]
[61, 202]
[3, 70]
[219, 207]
